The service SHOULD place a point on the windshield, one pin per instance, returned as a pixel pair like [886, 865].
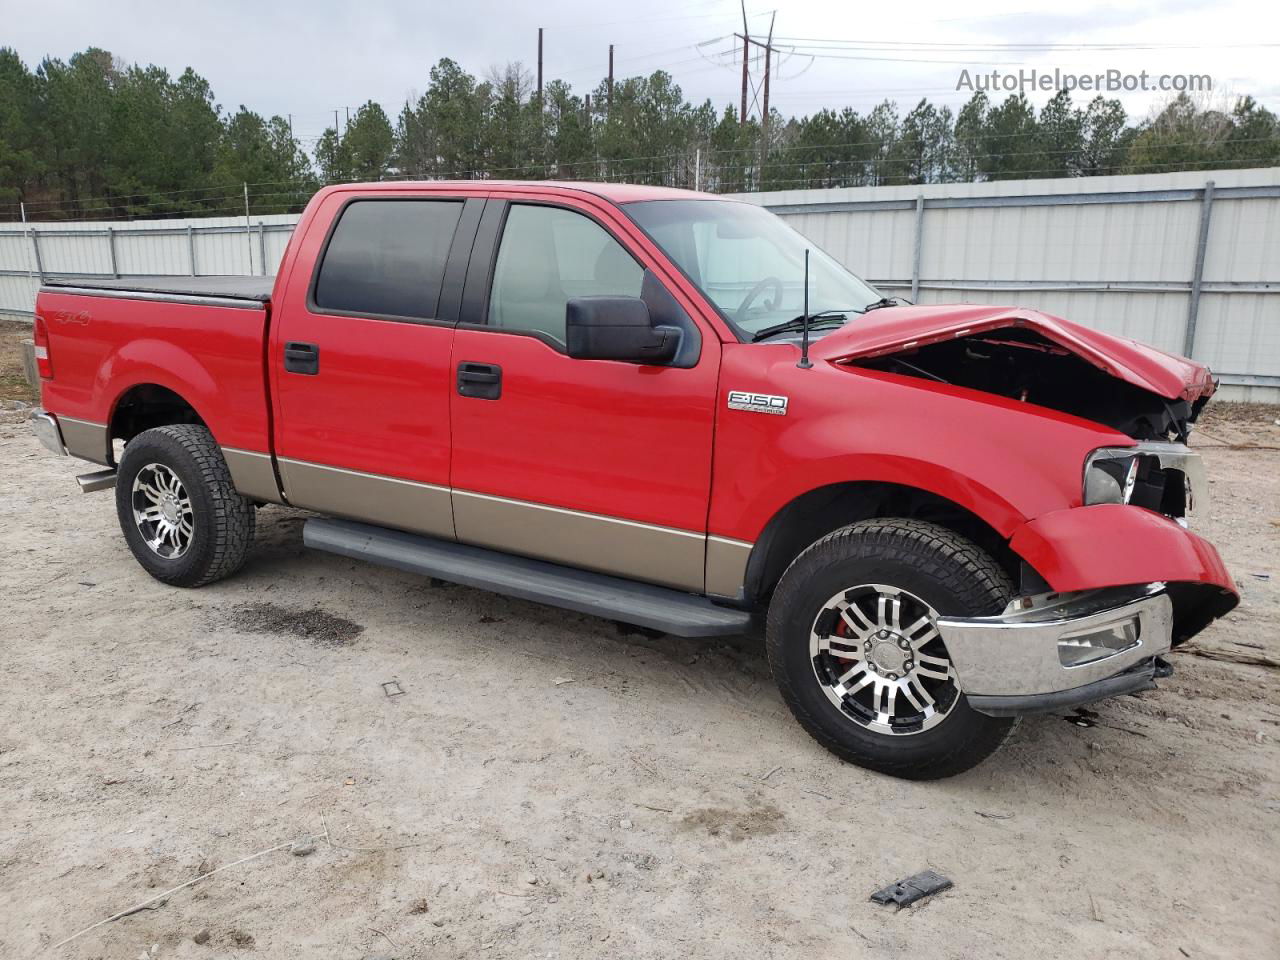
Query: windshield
[748, 261]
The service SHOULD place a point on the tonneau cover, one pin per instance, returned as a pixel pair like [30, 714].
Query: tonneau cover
[236, 288]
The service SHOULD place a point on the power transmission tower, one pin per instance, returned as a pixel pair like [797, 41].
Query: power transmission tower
[764, 119]
[745, 37]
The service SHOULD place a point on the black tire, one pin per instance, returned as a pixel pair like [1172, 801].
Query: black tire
[222, 521]
[940, 568]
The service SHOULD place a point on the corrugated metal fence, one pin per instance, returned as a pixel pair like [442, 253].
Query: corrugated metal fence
[1189, 262]
[142, 248]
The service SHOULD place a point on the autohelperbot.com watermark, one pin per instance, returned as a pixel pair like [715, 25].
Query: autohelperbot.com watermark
[1108, 81]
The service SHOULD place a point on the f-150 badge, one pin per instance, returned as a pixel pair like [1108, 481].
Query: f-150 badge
[757, 402]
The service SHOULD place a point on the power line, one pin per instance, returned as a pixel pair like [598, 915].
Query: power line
[914, 44]
[932, 60]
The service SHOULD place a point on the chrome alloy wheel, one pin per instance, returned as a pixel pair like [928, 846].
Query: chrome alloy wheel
[162, 511]
[879, 658]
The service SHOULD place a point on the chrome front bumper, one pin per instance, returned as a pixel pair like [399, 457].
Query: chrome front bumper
[1060, 650]
[45, 427]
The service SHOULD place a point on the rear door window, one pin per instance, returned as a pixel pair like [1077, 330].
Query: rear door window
[386, 258]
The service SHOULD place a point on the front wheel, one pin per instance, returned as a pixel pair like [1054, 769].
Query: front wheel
[180, 512]
[854, 646]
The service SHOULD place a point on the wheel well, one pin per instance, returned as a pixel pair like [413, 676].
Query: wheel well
[149, 405]
[813, 515]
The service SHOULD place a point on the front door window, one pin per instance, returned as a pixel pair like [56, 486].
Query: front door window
[548, 256]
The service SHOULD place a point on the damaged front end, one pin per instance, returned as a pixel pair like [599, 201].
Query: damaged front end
[1024, 361]
[1056, 651]
[1032, 357]
[1164, 477]
[1102, 561]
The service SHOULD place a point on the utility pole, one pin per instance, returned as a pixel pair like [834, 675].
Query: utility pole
[347, 125]
[609, 103]
[336, 131]
[291, 126]
[587, 110]
[764, 119]
[539, 64]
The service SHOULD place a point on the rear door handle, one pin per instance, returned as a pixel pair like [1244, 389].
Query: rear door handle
[301, 358]
[482, 380]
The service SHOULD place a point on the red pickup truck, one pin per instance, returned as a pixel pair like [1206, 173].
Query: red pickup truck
[668, 409]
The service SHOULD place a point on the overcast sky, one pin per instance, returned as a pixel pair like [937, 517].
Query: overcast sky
[306, 59]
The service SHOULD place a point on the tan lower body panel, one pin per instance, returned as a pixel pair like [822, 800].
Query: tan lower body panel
[727, 566]
[389, 501]
[682, 559]
[663, 555]
[86, 440]
[252, 474]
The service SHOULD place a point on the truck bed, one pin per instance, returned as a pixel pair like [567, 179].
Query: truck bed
[253, 291]
[202, 338]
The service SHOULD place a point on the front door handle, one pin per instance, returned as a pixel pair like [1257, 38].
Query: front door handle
[301, 358]
[482, 380]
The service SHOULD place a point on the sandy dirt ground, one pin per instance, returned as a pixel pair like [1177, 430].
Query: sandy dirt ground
[548, 786]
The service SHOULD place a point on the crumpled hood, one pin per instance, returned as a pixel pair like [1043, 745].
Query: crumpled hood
[893, 329]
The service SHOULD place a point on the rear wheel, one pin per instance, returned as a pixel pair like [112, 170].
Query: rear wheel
[179, 511]
[854, 646]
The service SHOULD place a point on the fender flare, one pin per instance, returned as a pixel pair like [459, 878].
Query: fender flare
[155, 362]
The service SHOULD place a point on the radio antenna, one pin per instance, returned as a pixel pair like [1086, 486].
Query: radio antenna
[804, 363]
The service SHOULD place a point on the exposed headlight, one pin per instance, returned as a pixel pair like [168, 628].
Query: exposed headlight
[1165, 477]
[1110, 475]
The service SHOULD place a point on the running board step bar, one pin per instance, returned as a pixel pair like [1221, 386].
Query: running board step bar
[597, 594]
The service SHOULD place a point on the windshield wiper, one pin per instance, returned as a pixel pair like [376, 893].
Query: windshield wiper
[826, 317]
[883, 302]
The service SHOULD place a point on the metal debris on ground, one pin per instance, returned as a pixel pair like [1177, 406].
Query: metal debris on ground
[392, 688]
[1082, 717]
[916, 887]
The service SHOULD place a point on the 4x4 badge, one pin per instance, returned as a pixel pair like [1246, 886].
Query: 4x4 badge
[757, 402]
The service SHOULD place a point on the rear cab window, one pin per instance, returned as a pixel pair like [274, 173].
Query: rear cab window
[386, 258]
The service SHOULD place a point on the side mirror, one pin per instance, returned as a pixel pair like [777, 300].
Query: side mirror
[617, 328]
